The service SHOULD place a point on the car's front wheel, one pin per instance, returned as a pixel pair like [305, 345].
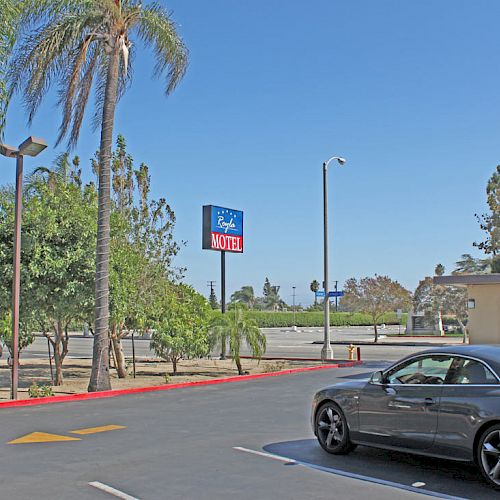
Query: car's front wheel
[488, 455]
[332, 430]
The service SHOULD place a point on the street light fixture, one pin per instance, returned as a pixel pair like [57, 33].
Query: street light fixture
[326, 351]
[30, 147]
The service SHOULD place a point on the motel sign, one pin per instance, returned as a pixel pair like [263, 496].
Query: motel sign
[222, 229]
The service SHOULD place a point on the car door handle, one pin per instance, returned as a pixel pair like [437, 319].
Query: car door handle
[429, 401]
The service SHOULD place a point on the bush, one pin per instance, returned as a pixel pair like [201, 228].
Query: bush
[40, 392]
[315, 319]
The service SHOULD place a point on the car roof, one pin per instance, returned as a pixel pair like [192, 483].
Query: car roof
[490, 353]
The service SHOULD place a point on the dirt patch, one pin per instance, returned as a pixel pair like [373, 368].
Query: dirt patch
[149, 372]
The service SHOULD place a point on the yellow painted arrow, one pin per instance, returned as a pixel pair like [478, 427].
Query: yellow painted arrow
[95, 430]
[42, 437]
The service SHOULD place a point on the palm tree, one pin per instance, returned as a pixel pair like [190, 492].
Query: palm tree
[245, 295]
[237, 326]
[80, 41]
[314, 288]
[9, 14]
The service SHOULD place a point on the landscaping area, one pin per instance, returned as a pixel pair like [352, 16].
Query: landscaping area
[149, 372]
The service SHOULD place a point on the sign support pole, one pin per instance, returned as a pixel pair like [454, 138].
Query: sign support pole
[223, 296]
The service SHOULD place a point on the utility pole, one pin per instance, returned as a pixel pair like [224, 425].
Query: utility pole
[213, 298]
[211, 285]
[294, 322]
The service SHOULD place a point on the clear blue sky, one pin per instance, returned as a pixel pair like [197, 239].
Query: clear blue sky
[408, 92]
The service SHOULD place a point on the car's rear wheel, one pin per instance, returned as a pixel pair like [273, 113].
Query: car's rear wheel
[488, 454]
[332, 430]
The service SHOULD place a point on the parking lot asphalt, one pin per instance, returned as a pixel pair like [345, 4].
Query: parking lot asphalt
[248, 440]
[280, 342]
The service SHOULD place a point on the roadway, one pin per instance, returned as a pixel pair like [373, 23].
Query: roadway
[280, 342]
[246, 440]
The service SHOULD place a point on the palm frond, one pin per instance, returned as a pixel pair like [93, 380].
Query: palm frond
[83, 93]
[156, 29]
[47, 11]
[45, 57]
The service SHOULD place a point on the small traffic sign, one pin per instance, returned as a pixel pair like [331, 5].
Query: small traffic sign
[335, 294]
[320, 293]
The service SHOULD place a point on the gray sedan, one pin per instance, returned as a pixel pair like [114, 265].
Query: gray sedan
[442, 402]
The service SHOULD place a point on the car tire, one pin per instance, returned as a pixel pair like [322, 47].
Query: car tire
[488, 455]
[332, 430]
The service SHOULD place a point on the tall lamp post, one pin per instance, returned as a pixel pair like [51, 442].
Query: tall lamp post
[30, 147]
[326, 351]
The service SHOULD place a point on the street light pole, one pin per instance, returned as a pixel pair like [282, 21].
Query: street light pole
[326, 351]
[16, 278]
[30, 147]
[294, 323]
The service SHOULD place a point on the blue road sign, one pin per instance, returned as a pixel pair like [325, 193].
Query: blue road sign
[335, 294]
[320, 293]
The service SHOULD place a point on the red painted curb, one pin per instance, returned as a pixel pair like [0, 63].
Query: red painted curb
[277, 358]
[137, 390]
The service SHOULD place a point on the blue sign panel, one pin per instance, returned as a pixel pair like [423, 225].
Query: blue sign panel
[227, 221]
[222, 229]
[335, 294]
[320, 293]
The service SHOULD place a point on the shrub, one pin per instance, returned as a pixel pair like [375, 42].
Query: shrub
[40, 392]
[315, 319]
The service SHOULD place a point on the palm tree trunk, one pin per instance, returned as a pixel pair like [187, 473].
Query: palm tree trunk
[99, 378]
[223, 347]
[237, 360]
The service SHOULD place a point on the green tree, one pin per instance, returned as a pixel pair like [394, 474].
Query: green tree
[490, 222]
[435, 300]
[182, 330]
[79, 41]
[272, 299]
[245, 296]
[212, 300]
[238, 327]
[142, 248]
[314, 288]
[375, 296]
[439, 270]
[26, 329]
[57, 251]
[467, 264]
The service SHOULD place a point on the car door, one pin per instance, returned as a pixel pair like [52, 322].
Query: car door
[402, 410]
[470, 397]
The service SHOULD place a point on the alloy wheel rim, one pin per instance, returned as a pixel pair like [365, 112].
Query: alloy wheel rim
[490, 456]
[330, 427]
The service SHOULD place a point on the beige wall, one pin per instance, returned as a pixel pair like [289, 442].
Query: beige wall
[484, 320]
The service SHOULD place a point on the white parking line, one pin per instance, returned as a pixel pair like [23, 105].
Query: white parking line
[351, 475]
[111, 491]
[267, 455]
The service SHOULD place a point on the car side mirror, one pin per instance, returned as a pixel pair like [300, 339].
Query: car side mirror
[377, 378]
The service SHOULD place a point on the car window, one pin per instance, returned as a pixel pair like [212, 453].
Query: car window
[424, 370]
[470, 371]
